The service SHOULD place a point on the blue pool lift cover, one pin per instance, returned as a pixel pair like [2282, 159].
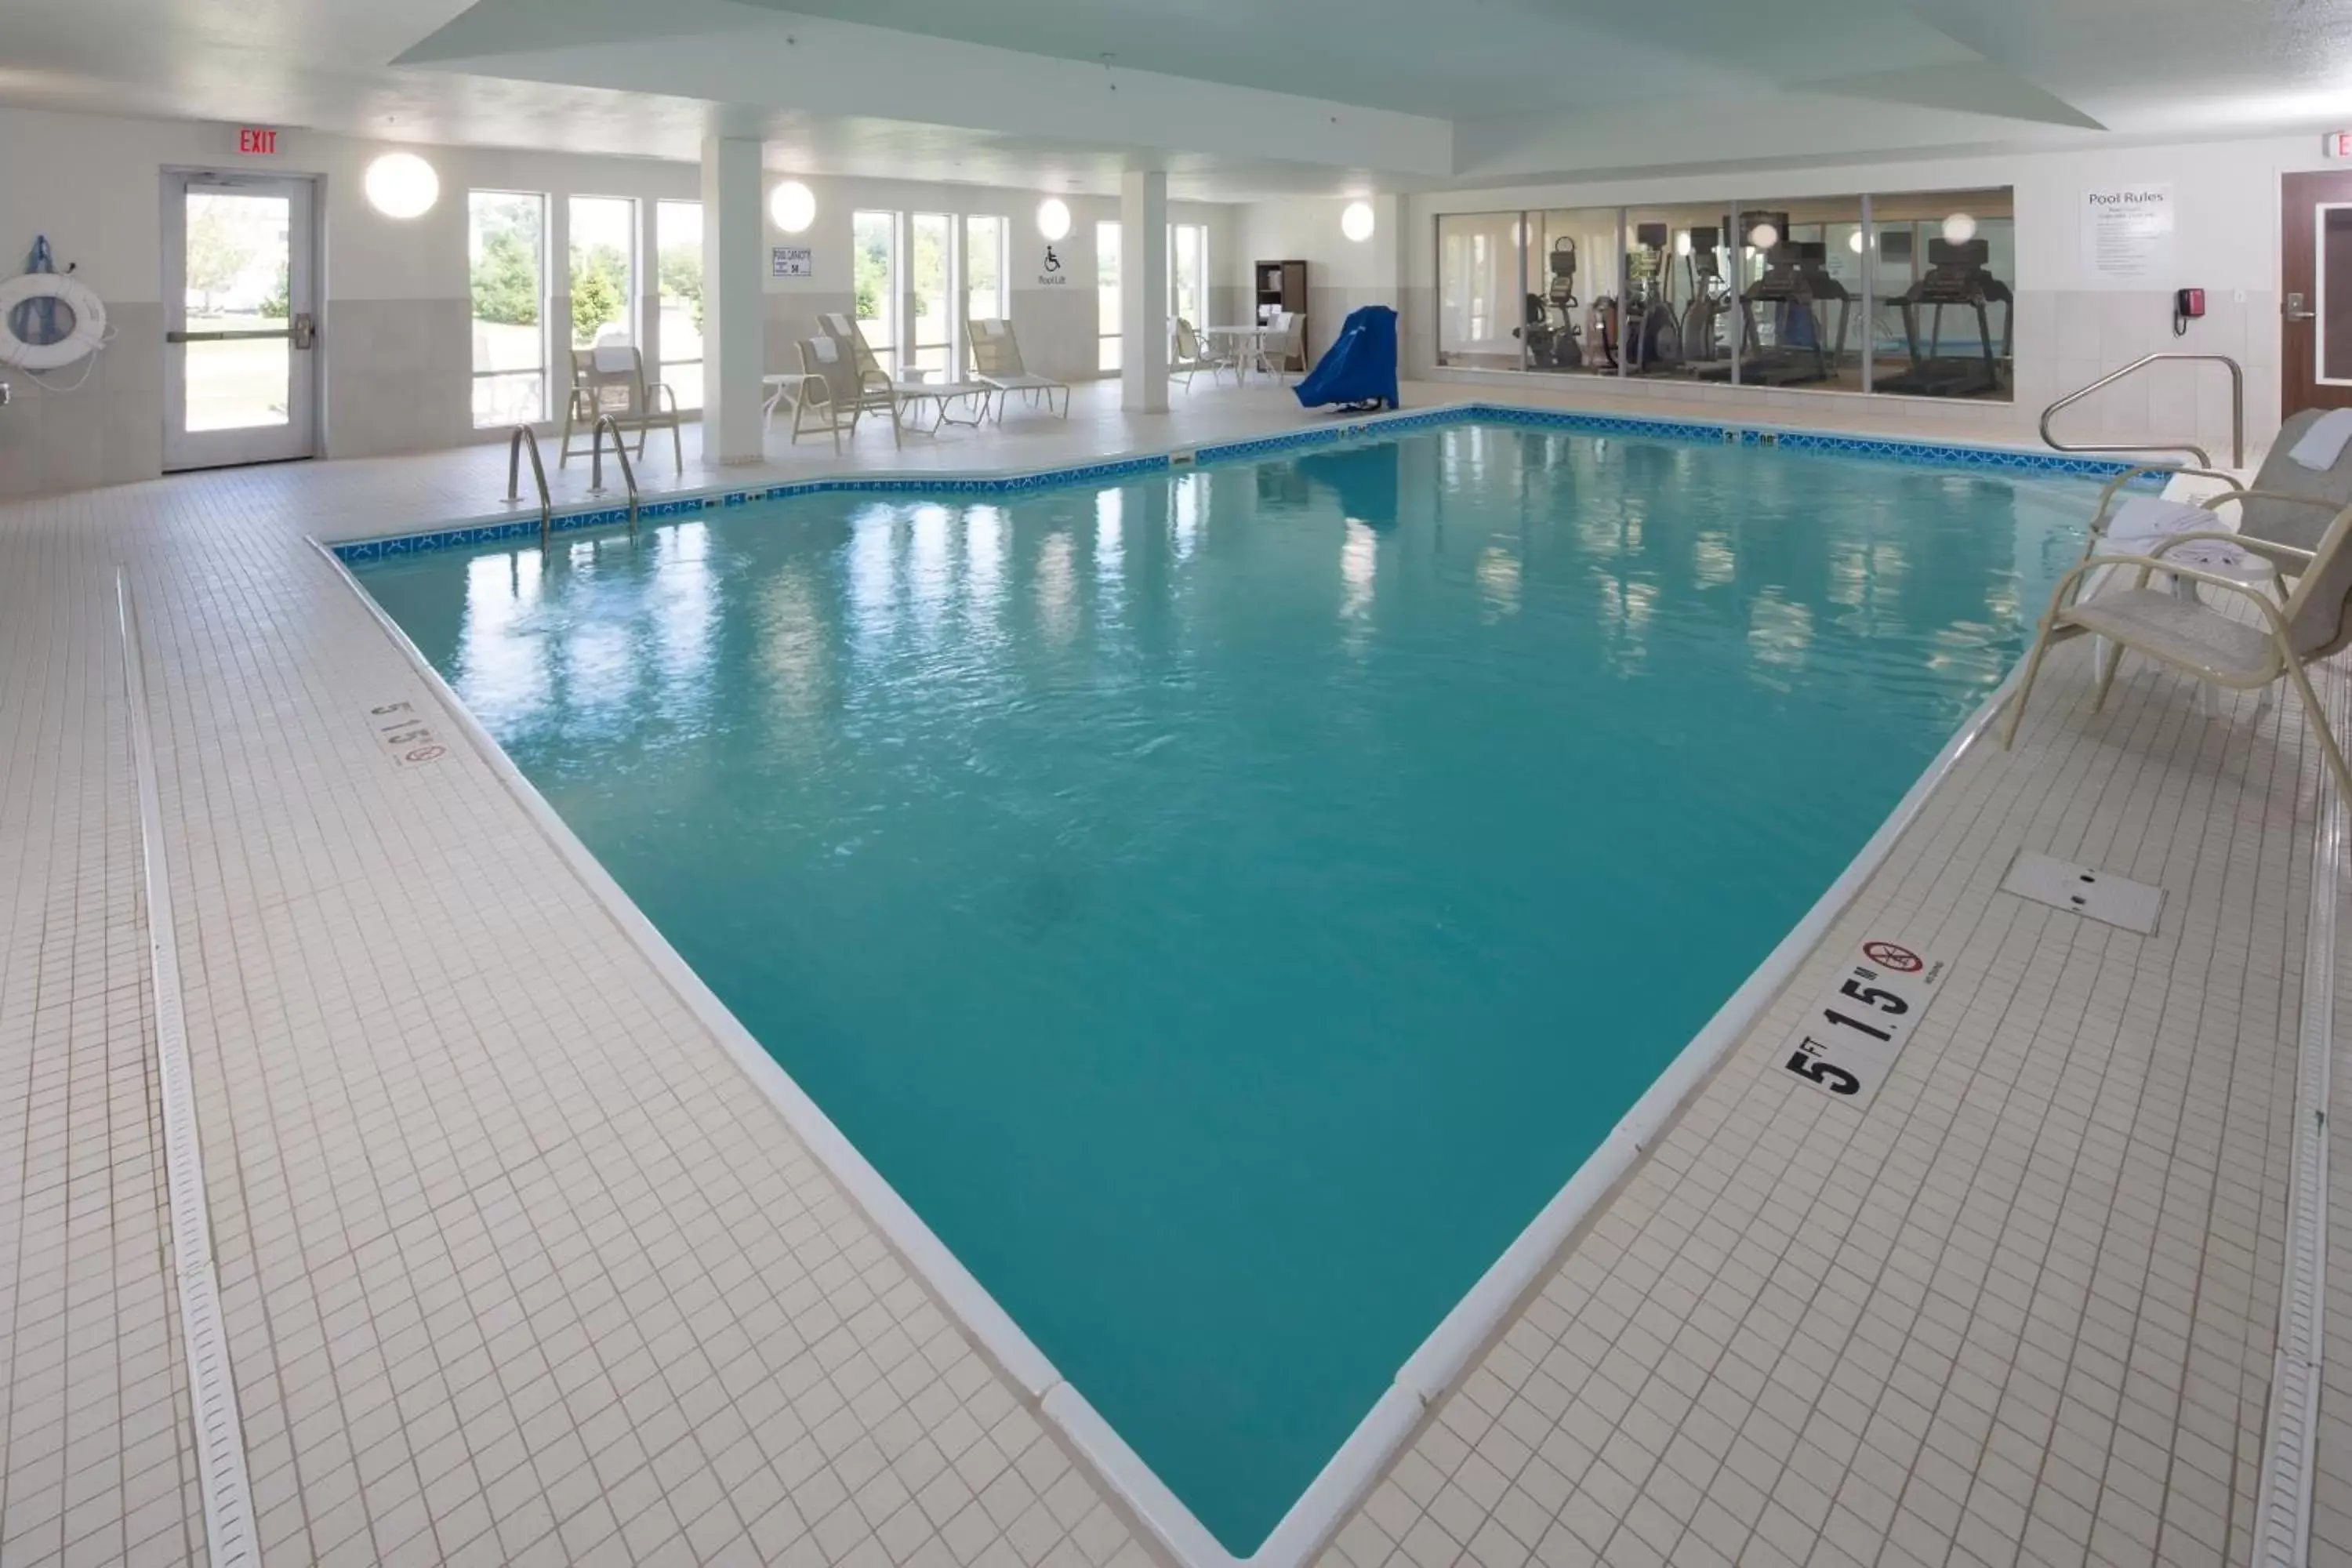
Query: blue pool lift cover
[1361, 367]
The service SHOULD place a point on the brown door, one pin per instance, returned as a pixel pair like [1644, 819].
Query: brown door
[2315, 293]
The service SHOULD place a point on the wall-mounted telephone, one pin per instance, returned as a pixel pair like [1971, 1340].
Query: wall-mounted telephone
[2188, 305]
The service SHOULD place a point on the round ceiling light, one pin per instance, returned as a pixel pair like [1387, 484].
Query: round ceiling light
[1853, 242]
[402, 185]
[1053, 217]
[792, 205]
[1681, 242]
[1959, 228]
[1356, 222]
[1764, 236]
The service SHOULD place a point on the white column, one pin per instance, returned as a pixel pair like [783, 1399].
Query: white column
[734, 330]
[1143, 292]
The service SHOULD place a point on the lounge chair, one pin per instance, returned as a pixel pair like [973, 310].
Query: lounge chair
[2173, 628]
[830, 396]
[874, 393]
[997, 363]
[611, 379]
[1192, 357]
[2289, 503]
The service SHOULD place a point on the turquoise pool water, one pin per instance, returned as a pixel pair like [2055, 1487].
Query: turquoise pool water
[1227, 906]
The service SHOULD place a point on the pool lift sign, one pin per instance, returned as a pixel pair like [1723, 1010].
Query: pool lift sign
[1847, 1044]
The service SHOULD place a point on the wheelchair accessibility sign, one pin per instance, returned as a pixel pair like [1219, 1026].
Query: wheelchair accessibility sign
[1848, 1042]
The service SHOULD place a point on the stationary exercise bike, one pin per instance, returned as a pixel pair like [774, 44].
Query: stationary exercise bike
[1553, 345]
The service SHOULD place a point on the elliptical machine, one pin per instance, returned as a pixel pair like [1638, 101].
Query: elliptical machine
[1710, 300]
[1653, 339]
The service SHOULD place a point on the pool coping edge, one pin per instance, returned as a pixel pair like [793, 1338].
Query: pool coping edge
[492, 528]
[1445, 1356]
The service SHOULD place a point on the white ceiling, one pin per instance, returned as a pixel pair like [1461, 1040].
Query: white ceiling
[1236, 98]
[1452, 59]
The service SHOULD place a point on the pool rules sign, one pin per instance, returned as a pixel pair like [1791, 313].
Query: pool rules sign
[1847, 1044]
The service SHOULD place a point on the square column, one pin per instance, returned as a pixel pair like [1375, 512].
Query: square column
[734, 328]
[1143, 292]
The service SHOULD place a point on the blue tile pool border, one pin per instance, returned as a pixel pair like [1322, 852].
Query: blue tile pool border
[1876, 449]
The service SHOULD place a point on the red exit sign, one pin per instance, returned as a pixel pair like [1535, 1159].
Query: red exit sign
[256, 140]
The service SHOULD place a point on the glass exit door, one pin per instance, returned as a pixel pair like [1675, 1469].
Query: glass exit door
[240, 319]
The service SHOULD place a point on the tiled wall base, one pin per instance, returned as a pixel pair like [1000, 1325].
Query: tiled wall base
[98, 422]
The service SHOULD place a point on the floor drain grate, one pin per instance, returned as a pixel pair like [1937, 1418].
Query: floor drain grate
[2084, 890]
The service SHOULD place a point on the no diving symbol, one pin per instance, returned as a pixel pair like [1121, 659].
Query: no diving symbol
[1887, 955]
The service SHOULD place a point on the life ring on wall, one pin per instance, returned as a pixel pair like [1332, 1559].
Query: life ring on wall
[89, 311]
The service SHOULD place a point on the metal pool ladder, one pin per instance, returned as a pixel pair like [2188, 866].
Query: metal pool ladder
[517, 440]
[2237, 412]
[596, 464]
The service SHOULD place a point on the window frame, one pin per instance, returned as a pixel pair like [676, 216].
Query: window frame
[665, 362]
[545, 370]
[1004, 257]
[1109, 346]
[632, 265]
[890, 349]
[951, 258]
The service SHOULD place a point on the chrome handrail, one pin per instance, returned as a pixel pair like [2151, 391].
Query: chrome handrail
[516, 439]
[596, 464]
[2237, 410]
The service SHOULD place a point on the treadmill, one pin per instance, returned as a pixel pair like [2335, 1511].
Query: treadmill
[1956, 277]
[1796, 286]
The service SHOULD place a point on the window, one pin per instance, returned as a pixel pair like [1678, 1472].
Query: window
[1106, 296]
[931, 290]
[1907, 295]
[677, 246]
[1477, 275]
[1567, 321]
[984, 294]
[603, 270]
[505, 254]
[874, 241]
[1800, 292]
[1187, 272]
[1676, 315]
[1940, 266]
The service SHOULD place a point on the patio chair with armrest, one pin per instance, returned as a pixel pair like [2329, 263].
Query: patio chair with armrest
[610, 378]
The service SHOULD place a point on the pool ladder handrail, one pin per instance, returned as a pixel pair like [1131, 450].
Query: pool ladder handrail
[2237, 410]
[517, 439]
[596, 464]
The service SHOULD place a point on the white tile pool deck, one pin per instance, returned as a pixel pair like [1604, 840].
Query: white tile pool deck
[520, 1268]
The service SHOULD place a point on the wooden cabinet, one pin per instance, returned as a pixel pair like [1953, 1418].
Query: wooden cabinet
[1282, 286]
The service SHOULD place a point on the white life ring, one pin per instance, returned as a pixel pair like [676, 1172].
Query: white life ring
[89, 333]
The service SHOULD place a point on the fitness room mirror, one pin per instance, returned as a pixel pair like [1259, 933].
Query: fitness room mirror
[1674, 315]
[1568, 325]
[1943, 267]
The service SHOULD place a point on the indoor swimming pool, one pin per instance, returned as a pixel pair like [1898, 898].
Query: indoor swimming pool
[1228, 904]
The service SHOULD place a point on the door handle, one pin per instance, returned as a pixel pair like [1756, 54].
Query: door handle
[305, 330]
[2294, 311]
[176, 336]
